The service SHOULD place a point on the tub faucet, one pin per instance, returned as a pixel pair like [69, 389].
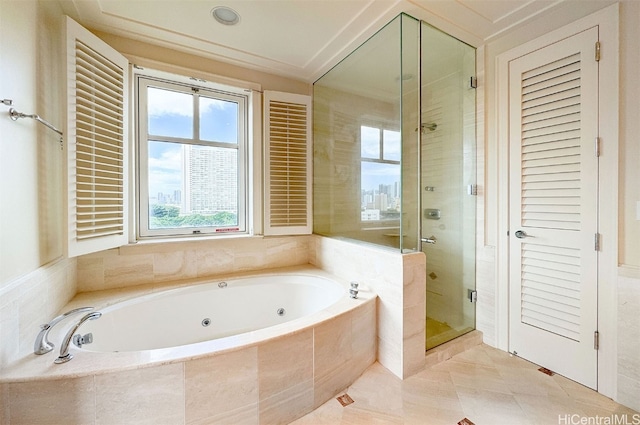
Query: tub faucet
[42, 344]
[65, 355]
[353, 292]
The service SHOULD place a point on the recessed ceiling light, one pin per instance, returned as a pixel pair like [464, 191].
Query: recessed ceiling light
[225, 15]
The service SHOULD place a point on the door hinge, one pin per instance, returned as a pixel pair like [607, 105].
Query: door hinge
[473, 83]
[597, 51]
[596, 340]
[472, 189]
[597, 147]
[597, 242]
[472, 294]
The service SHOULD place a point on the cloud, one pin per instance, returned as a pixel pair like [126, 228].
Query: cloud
[165, 170]
[162, 102]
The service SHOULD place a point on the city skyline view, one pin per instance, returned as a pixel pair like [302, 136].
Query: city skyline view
[171, 114]
[192, 158]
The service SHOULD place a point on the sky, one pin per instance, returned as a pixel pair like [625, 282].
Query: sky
[171, 115]
[375, 173]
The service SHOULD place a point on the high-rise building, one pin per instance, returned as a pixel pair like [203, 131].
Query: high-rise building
[210, 179]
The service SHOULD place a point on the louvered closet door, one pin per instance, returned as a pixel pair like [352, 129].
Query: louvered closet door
[553, 95]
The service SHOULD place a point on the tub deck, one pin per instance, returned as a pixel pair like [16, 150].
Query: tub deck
[37, 368]
[272, 375]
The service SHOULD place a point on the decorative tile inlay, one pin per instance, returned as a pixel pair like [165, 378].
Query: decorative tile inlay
[465, 421]
[345, 400]
[546, 371]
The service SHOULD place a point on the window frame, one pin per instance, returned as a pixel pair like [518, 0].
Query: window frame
[381, 127]
[196, 87]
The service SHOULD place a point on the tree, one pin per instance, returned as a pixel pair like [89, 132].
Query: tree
[158, 210]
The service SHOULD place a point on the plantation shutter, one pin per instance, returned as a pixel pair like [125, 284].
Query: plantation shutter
[96, 144]
[287, 163]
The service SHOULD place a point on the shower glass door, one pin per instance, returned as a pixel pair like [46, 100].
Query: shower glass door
[448, 178]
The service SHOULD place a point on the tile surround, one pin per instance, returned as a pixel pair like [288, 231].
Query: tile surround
[149, 396]
[275, 381]
[144, 263]
[398, 280]
[29, 301]
[52, 402]
[233, 391]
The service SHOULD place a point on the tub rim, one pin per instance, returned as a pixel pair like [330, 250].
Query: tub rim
[31, 367]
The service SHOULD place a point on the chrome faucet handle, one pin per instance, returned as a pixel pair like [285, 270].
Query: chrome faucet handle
[65, 355]
[42, 345]
[353, 292]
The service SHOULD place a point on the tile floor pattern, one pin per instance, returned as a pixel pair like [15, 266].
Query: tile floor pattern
[483, 384]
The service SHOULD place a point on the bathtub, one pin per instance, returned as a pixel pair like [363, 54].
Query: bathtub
[258, 348]
[209, 311]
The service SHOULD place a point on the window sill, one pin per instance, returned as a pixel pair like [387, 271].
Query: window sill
[175, 243]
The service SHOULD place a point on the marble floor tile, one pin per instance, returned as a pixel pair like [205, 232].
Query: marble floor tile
[485, 385]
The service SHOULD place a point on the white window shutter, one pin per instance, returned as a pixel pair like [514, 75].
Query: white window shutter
[96, 143]
[287, 122]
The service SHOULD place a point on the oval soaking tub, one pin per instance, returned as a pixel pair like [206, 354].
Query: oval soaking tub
[209, 311]
[260, 348]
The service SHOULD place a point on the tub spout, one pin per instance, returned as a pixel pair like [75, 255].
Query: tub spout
[42, 344]
[65, 355]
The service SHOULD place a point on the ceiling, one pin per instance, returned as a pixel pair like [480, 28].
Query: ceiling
[301, 39]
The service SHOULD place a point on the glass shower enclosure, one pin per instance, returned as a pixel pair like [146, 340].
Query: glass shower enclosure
[394, 159]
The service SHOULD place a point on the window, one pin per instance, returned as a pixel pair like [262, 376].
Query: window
[379, 174]
[192, 158]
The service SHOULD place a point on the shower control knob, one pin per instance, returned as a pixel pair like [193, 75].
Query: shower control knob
[430, 239]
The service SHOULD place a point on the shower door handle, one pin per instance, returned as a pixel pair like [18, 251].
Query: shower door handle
[431, 239]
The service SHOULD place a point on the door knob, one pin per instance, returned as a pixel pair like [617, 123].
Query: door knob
[521, 234]
[431, 239]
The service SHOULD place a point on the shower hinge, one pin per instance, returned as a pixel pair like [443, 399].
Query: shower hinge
[473, 83]
[472, 294]
[472, 189]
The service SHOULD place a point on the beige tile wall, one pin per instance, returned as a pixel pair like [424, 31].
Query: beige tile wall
[414, 312]
[629, 342]
[30, 301]
[398, 280]
[276, 381]
[145, 263]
